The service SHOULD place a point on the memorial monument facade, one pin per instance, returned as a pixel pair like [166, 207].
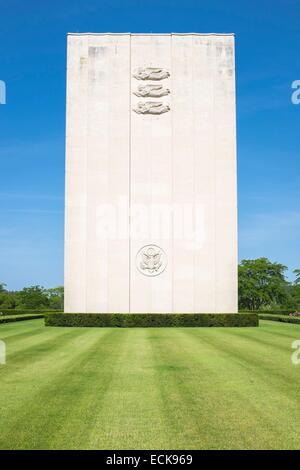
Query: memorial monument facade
[151, 201]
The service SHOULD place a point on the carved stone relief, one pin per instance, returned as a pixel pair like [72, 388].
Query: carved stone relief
[151, 90]
[150, 73]
[151, 260]
[151, 107]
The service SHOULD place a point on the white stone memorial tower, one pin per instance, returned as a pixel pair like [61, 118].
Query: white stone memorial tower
[151, 204]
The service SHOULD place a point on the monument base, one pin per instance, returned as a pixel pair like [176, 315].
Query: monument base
[145, 320]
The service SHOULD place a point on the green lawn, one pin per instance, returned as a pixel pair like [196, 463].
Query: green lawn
[156, 388]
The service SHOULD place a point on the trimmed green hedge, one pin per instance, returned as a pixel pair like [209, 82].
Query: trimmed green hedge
[269, 312]
[281, 318]
[14, 318]
[24, 311]
[127, 320]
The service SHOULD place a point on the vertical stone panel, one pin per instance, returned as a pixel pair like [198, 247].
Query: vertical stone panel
[151, 169]
[76, 172]
[204, 169]
[119, 172]
[98, 171]
[97, 266]
[108, 172]
[226, 198]
[184, 171]
[151, 178]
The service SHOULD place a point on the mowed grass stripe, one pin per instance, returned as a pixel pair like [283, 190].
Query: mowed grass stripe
[75, 397]
[89, 384]
[40, 342]
[42, 401]
[241, 418]
[268, 392]
[266, 341]
[216, 400]
[203, 396]
[9, 330]
[185, 408]
[132, 416]
[273, 328]
[252, 352]
[163, 388]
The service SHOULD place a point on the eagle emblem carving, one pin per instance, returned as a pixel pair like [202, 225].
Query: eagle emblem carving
[151, 260]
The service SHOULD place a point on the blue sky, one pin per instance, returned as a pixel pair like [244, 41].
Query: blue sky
[32, 123]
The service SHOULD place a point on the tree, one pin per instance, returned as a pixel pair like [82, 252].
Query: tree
[295, 296]
[56, 297]
[2, 287]
[297, 280]
[33, 297]
[7, 300]
[261, 284]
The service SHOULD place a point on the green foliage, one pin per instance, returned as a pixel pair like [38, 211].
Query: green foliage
[2, 287]
[295, 296]
[24, 311]
[20, 317]
[8, 300]
[262, 284]
[33, 297]
[56, 297]
[128, 320]
[297, 280]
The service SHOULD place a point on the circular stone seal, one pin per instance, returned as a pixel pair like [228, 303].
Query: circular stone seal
[151, 260]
